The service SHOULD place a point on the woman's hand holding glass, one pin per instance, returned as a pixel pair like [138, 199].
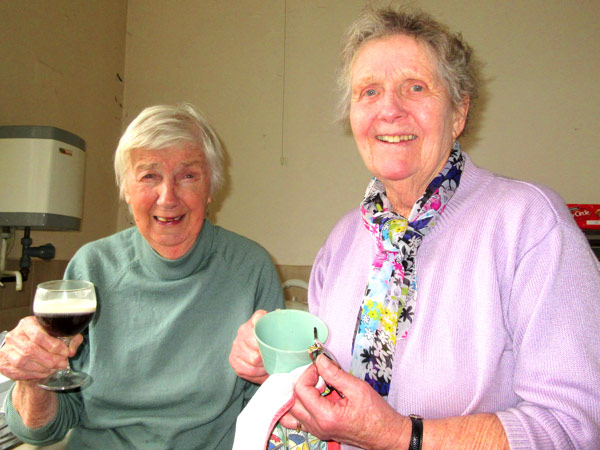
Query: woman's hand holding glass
[32, 354]
[64, 308]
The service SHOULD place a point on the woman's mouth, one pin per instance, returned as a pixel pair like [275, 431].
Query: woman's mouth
[394, 139]
[168, 219]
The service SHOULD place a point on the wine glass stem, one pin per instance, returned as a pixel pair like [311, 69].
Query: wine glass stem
[67, 341]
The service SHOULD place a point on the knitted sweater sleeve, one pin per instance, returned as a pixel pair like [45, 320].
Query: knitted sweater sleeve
[70, 405]
[557, 361]
[268, 296]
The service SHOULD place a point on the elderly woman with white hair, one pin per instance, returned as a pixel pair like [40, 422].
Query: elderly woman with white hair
[172, 291]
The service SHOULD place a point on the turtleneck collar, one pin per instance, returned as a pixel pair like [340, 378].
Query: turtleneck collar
[176, 269]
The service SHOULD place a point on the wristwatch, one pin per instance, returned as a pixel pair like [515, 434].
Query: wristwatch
[416, 438]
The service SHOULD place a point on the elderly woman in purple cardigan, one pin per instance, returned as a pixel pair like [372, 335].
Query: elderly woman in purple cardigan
[462, 305]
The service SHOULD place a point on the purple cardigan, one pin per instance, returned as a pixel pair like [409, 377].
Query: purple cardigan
[507, 319]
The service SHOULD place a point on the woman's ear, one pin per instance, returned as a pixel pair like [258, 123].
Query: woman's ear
[208, 202]
[126, 195]
[460, 117]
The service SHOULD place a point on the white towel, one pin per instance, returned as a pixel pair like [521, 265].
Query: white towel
[272, 400]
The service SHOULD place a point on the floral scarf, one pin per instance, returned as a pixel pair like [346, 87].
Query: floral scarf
[389, 300]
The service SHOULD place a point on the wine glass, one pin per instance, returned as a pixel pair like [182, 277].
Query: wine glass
[64, 308]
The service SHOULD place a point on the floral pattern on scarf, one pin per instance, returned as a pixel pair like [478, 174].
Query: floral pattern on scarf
[389, 300]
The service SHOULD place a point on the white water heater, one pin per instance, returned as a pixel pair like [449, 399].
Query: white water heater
[42, 172]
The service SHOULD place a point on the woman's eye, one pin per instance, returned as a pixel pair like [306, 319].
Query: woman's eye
[148, 176]
[370, 92]
[417, 88]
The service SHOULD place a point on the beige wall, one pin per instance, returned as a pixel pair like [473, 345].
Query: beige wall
[59, 66]
[263, 71]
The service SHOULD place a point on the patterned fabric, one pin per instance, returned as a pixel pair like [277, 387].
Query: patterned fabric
[284, 438]
[389, 300]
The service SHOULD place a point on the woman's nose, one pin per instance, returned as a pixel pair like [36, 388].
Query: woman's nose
[392, 106]
[167, 193]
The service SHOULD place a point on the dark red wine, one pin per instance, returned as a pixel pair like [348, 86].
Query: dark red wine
[64, 318]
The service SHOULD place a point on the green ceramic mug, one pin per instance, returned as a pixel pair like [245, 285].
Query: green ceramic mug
[284, 337]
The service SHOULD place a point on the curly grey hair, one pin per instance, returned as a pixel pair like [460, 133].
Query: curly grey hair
[456, 64]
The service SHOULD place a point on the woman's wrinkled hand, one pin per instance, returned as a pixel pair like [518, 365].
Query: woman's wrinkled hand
[245, 356]
[361, 418]
[30, 353]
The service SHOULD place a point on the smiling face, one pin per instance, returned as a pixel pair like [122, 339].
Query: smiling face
[168, 191]
[401, 115]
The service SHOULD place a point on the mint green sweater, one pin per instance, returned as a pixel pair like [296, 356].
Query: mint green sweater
[158, 346]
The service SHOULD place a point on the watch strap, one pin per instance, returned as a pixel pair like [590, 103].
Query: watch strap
[416, 438]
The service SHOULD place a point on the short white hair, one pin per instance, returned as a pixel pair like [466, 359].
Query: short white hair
[161, 126]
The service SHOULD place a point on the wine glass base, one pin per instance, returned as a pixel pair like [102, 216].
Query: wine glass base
[64, 381]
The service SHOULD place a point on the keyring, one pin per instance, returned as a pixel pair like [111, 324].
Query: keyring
[319, 349]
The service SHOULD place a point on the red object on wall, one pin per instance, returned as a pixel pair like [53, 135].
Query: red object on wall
[587, 216]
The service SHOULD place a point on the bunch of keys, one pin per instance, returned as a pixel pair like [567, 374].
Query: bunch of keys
[319, 349]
